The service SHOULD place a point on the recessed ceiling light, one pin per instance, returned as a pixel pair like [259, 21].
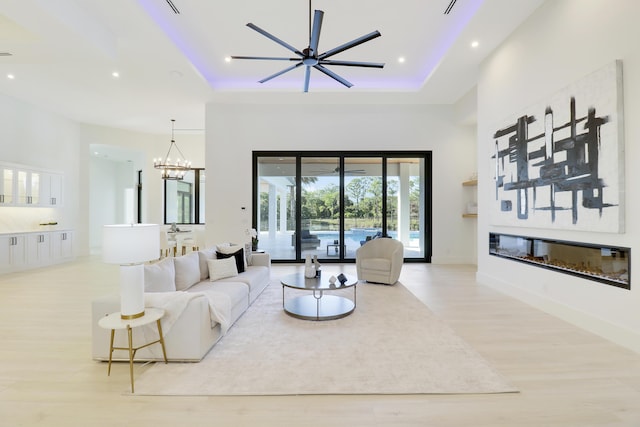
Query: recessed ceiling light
[11, 76]
[475, 43]
[115, 74]
[401, 59]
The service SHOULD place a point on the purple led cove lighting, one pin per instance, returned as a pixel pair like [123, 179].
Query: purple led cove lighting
[464, 15]
[158, 11]
[161, 14]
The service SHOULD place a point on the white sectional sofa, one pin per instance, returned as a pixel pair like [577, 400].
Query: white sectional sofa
[202, 298]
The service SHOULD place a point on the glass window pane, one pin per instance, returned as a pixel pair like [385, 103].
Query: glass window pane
[7, 189]
[276, 206]
[405, 204]
[180, 199]
[201, 202]
[363, 202]
[320, 206]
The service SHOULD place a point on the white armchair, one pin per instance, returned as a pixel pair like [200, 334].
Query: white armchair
[380, 261]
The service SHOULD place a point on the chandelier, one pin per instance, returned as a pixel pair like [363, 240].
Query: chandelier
[174, 170]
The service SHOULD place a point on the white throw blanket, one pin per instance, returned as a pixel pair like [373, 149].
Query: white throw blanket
[174, 303]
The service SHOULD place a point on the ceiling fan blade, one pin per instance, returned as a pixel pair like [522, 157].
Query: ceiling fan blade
[307, 77]
[333, 75]
[279, 73]
[270, 58]
[274, 38]
[315, 33]
[352, 63]
[349, 45]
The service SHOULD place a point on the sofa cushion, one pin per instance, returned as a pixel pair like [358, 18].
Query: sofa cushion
[160, 276]
[238, 293]
[233, 251]
[253, 277]
[205, 255]
[187, 270]
[222, 268]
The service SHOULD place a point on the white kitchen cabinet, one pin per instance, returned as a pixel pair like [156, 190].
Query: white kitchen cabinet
[50, 189]
[12, 252]
[7, 186]
[38, 249]
[55, 189]
[22, 251]
[32, 187]
[61, 245]
[28, 190]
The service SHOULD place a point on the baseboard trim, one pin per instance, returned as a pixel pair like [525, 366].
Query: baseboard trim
[603, 328]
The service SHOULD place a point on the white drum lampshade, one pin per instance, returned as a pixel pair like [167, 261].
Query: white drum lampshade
[131, 245]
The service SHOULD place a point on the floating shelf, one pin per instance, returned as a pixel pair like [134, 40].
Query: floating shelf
[470, 183]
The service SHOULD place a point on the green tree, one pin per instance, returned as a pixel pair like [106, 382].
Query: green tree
[356, 190]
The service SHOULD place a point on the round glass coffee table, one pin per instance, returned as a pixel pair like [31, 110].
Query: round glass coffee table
[318, 305]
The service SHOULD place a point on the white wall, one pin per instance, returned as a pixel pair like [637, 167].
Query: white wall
[35, 137]
[234, 130]
[108, 182]
[563, 41]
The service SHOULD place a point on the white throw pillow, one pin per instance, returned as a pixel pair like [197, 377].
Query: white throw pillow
[160, 276]
[229, 248]
[205, 255]
[221, 268]
[187, 270]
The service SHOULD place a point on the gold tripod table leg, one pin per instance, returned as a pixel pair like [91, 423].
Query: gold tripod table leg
[130, 333]
[113, 331]
[164, 352]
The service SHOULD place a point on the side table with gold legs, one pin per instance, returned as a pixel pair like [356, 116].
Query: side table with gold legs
[113, 321]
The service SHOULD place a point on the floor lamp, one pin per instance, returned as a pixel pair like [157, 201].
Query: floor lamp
[130, 246]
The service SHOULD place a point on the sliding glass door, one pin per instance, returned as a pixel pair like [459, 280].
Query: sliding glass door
[363, 218]
[274, 209]
[406, 208]
[319, 206]
[330, 204]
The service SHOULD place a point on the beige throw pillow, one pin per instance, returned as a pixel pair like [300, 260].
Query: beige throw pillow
[187, 270]
[160, 276]
[221, 268]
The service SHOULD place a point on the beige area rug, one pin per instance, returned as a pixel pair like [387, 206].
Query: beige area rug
[391, 344]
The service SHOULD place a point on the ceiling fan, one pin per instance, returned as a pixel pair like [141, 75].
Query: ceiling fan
[337, 171]
[309, 56]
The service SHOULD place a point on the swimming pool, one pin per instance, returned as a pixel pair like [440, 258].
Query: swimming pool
[354, 236]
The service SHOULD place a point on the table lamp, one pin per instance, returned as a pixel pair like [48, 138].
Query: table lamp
[130, 246]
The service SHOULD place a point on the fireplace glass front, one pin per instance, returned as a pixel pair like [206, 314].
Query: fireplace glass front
[604, 264]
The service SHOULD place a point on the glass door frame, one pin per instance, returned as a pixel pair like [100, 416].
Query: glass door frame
[426, 156]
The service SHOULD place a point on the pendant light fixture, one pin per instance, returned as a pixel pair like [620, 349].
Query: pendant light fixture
[176, 169]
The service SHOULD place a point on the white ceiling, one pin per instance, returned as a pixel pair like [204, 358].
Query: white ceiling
[63, 53]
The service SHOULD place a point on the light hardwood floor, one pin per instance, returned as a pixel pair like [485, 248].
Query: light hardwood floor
[566, 376]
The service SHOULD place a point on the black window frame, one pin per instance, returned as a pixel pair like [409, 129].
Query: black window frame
[196, 203]
[384, 155]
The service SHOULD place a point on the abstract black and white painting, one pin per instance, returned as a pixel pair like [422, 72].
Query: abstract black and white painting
[560, 164]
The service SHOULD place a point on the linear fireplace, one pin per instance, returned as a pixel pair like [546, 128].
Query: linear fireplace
[606, 264]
